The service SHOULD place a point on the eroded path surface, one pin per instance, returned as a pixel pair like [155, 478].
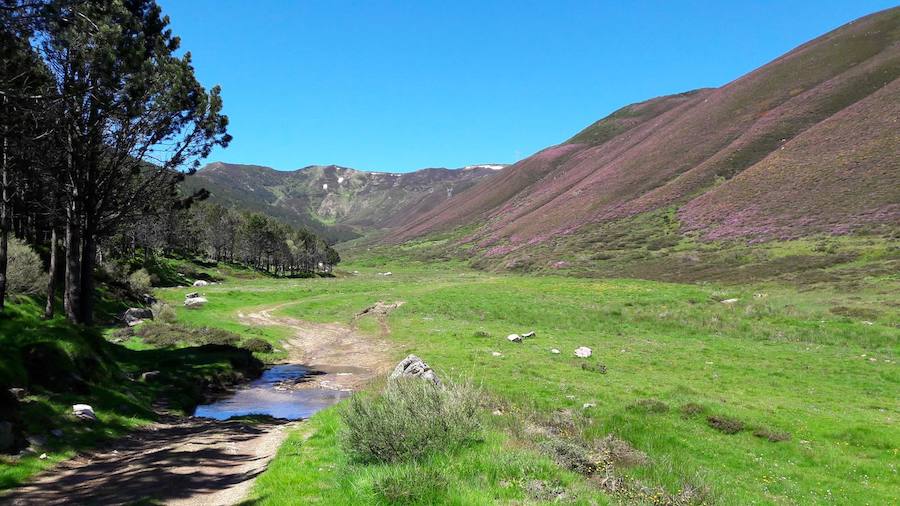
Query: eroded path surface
[192, 461]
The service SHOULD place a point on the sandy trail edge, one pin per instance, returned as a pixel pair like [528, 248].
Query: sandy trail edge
[187, 461]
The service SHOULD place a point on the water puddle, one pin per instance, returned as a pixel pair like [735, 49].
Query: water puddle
[271, 395]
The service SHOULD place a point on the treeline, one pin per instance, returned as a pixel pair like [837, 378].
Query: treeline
[101, 116]
[213, 231]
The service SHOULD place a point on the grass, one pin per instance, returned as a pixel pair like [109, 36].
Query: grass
[60, 365]
[779, 361]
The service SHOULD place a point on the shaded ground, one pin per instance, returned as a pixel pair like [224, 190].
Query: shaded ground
[190, 461]
[178, 461]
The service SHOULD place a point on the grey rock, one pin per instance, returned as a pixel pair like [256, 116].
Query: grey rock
[528, 334]
[583, 352]
[18, 394]
[150, 376]
[84, 412]
[195, 302]
[191, 295]
[136, 314]
[200, 282]
[414, 367]
[514, 338]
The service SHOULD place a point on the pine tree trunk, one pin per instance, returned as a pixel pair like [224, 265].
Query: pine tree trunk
[88, 260]
[52, 277]
[72, 298]
[4, 214]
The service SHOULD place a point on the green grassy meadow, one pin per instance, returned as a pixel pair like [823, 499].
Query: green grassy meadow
[813, 368]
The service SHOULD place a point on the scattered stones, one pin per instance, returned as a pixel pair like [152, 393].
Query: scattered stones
[150, 376]
[554, 351]
[729, 301]
[583, 352]
[18, 394]
[528, 334]
[7, 438]
[84, 412]
[200, 282]
[514, 338]
[133, 316]
[195, 302]
[414, 367]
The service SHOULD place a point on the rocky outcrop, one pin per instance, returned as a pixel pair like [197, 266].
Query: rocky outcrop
[414, 367]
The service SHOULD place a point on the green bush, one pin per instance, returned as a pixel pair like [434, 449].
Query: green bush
[257, 345]
[25, 272]
[410, 419]
[163, 312]
[140, 281]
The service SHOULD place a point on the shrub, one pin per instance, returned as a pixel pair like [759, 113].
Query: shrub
[596, 367]
[162, 334]
[163, 312]
[572, 454]
[410, 419]
[25, 272]
[257, 345]
[725, 424]
[212, 335]
[139, 281]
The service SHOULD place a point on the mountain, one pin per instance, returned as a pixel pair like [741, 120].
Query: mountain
[809, 143]
[337, 202]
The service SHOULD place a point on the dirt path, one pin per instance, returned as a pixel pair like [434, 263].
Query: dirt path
[198, 462]
[344, 358]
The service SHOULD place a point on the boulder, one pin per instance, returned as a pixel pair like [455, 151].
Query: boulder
[133, 316]
[414, 367]
[195, 302]
[583, 352]
[200, 282]
[150, 376]
[7, 438]
[528, 334]
[191, 295]
[84, 412]
[514, 338]
[18, 394]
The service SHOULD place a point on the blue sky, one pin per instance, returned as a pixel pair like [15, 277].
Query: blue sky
[398, 86]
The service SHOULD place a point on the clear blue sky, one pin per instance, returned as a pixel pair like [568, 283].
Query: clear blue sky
[397, 86]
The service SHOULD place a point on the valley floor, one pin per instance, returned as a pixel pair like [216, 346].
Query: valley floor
[783, 395]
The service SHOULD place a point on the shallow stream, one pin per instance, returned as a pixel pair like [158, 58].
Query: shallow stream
[273, 394]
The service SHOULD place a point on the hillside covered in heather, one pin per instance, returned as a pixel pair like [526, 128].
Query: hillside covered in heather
[807, 144]
[338, 202]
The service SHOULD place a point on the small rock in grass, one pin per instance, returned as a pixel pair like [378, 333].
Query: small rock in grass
[514, 338]
[195, 302]
[866, 322]
[200, 282]
[588, 405]
[583, 352]
[497, 412]
[43, 456]
[554, 351]
[729, 301]
[191, 295]
[134, 315]
[528, 334]
[84, 412]
[496, 354]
